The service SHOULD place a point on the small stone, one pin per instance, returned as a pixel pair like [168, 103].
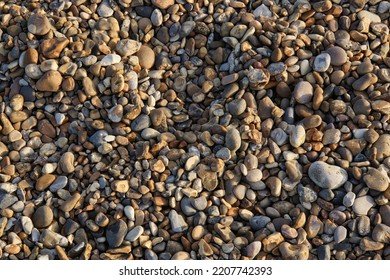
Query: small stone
[66, 163]
[272, 241]
[197, 232]
[340, 234]
[288, 232]
[150, 133]
[254, 176]
[307, 194]
[163, 4]
[199, 203]
[146, 57]
[98, 137]
[50, 81]
[349, 199]
[204, 248]
[117, 83]
[140, 123]
[52, 48]
[279, 136]
[132, 80]
[104, 9]
[121, 186]
[6, 200]
[181, 255]
[38, 24]
[362, 204]
[294, 252]
[115, 114]
[376, 180]
[233, 139]
[156, 18]
[177, 222]
[327, 176]
[50, 239]
[42, 217]
[259, 222]
[89, 86]
[371, 16]
[70, 203]
[338, 56]
[365, 81]
[303, 92]
[381, 233]
[331, 136]
[262, 11]
[127, 47]
[115, 233]
[59, 184]
[253, 249]
[27, 224]
[135, 233]
[110, 59]
[297, 136]
[323, 252]
[382, 146]
[321, 62]
[237, 107]
[191, 163]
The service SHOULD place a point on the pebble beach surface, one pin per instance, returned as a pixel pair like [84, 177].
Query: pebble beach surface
[182, 129]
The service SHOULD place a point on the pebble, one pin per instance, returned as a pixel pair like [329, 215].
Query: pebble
[38, 24]
[327, 176]
[27, 224]
[50, 81]
[163, 4]
[381, 233]
[134, 234]
[297, 136]
[322, 62]
[362, 204]
[104, 9]
[121, 186]
[110, 59]
[115, 114]
[233, 139]
[42, 217]
[253, 249]
[349, 199]
[294, 252]
[376, 180]
[59, 183]
[340, 234]
[146, 57]
[338, 56]
[204, 248]
[116, 233]
[303, 92]
[237, 107]
[177, 222]
[66, 163]
[259, 222]
[382, 146]
[140, 123]
[127, 47]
